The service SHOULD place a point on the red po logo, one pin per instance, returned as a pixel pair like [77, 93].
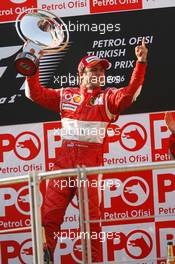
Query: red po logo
[13, 250]
[26, 145]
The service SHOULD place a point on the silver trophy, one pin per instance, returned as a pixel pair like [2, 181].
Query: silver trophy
[42, 33]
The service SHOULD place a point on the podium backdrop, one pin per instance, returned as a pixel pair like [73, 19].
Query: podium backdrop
[109, 29]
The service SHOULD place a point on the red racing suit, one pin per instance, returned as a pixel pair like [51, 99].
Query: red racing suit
[81, 110]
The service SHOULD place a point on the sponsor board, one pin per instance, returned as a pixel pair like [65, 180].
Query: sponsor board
[52, 139]
[164, 191]
[128, 141]
[159, 137]
[10, 9]
[157, 3]
[141, 244]
[21, 149]
[15, 206]
[135, 243]
[130, 195]
[65, 7]
[103, 6]
[16, 248]
[133, 194]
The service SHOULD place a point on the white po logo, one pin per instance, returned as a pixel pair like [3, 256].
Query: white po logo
[20, 199]
[26, 252]
[137, 186]
[134, 186]
[72, 247]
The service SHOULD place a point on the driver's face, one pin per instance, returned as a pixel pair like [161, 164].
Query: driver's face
[93, 77]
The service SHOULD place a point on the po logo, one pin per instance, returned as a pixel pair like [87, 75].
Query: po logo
[23, 201]
[134, 191]
[11, 197]
[138, 239]
[20, 199]
[71, 247]
[133, 136]
[12, 250]
[26, 145]
[26, 253]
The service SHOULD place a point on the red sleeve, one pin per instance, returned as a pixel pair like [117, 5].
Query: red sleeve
[46, 97]
[121, 99]
[172, 144]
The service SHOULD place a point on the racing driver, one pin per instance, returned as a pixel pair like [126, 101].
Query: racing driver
[90, 108]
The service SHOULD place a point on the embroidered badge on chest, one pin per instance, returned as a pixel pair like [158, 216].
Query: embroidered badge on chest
[74, 99]
[69, 107]
[77, 99]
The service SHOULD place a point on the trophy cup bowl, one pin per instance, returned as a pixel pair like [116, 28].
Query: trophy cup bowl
[42, 33]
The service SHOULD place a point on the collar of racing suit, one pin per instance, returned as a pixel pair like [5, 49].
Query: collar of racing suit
[84, 90]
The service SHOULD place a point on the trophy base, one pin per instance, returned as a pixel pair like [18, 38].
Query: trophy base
[26, 63]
